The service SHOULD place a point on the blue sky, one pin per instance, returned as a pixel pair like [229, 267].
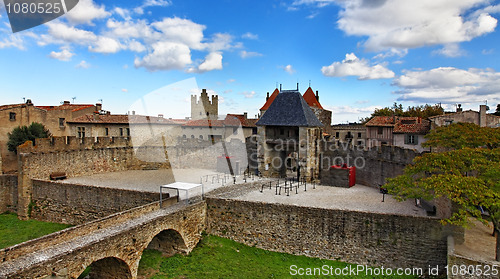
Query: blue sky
[359, 54]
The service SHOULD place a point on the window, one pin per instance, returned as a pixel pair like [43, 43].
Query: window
[12, 116]
[192, 136]
[380, 130]
[349, 135]
[184, 136]
[81, 132]
[121, 132]
[282, 131]
[61, 122]
[448, 122]
[337, 134]
[359, 135]
[201, 137]
[128, 132]
[106, 131]
[411, 139]
[235, 130]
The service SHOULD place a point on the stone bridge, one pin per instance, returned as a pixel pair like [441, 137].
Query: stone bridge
[112, 246]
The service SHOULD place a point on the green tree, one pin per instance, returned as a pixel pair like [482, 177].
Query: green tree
[468, 174]
[424, 111]
[497, 112]
[21, 134]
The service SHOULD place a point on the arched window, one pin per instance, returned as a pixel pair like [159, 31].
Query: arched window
[201, 137]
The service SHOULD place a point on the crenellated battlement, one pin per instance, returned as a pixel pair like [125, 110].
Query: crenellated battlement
[58, 144]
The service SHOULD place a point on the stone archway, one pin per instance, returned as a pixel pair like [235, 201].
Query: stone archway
[169, 242]
[108, 268]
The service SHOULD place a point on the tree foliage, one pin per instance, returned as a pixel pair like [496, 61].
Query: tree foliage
[497, 112]
[462, 135]
[21, 134]
[468, 173]
[424, 111]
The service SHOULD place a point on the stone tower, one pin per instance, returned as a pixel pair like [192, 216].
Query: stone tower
[204, 108]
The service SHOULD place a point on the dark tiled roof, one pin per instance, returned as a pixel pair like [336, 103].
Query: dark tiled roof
[310, 98]
[270, 100]
[289, 109]
[124, 119]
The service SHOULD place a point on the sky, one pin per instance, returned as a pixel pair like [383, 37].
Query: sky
[359, 54]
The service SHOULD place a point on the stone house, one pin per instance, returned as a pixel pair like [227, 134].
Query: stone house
[289, 135]
[409, 133]
[352, 133]
[234, 126]
[312, 99]
[480, 118]
[406, 132]
[140, 129]
[53, 117]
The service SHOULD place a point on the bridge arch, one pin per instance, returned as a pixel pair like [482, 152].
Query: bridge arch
[169, 242]
[107, 268]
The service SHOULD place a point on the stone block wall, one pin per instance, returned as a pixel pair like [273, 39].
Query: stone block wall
[77, 204]
[336, 177]
[373, 165]
[355, 237]
[8, 193]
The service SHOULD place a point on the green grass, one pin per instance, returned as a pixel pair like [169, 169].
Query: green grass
[216, 257]
[14, 231]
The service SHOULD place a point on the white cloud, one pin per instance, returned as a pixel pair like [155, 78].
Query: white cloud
[250, 36]
[61, 33]
[247, 54]
[411, 24]
[12, 40]
[449, 85]
[152, 3]
[450, 50]
[64, 55]
[353, 66]
[231, 80]
[213, 61]
[136, 46]
[288, 68]
[124, 13]
[248, 94]
[105, 45]
[221, 41]
[83, 65]
[165, 56]
[85, 12]
[345, 114]
[181, 31]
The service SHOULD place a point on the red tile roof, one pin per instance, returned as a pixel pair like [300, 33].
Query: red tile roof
[204, 123]
[125, 119]
[402, 125]
[310, 98]
[71, 107]
[239, 119]
[270, 100]
[11, 106]
[420, 127]
[387, 121]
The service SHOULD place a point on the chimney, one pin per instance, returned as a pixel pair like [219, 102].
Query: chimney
[297, 86]
[133, 112]
[280, 87]
[98, 106]
[160, 115]
[459, 108]
[108, 112]
[267, 98]
[245, 115]
[66, 103]
[317, 96]
[482, 115]
[203, 91]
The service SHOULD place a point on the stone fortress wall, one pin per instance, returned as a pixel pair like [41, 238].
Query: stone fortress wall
[356, 237]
